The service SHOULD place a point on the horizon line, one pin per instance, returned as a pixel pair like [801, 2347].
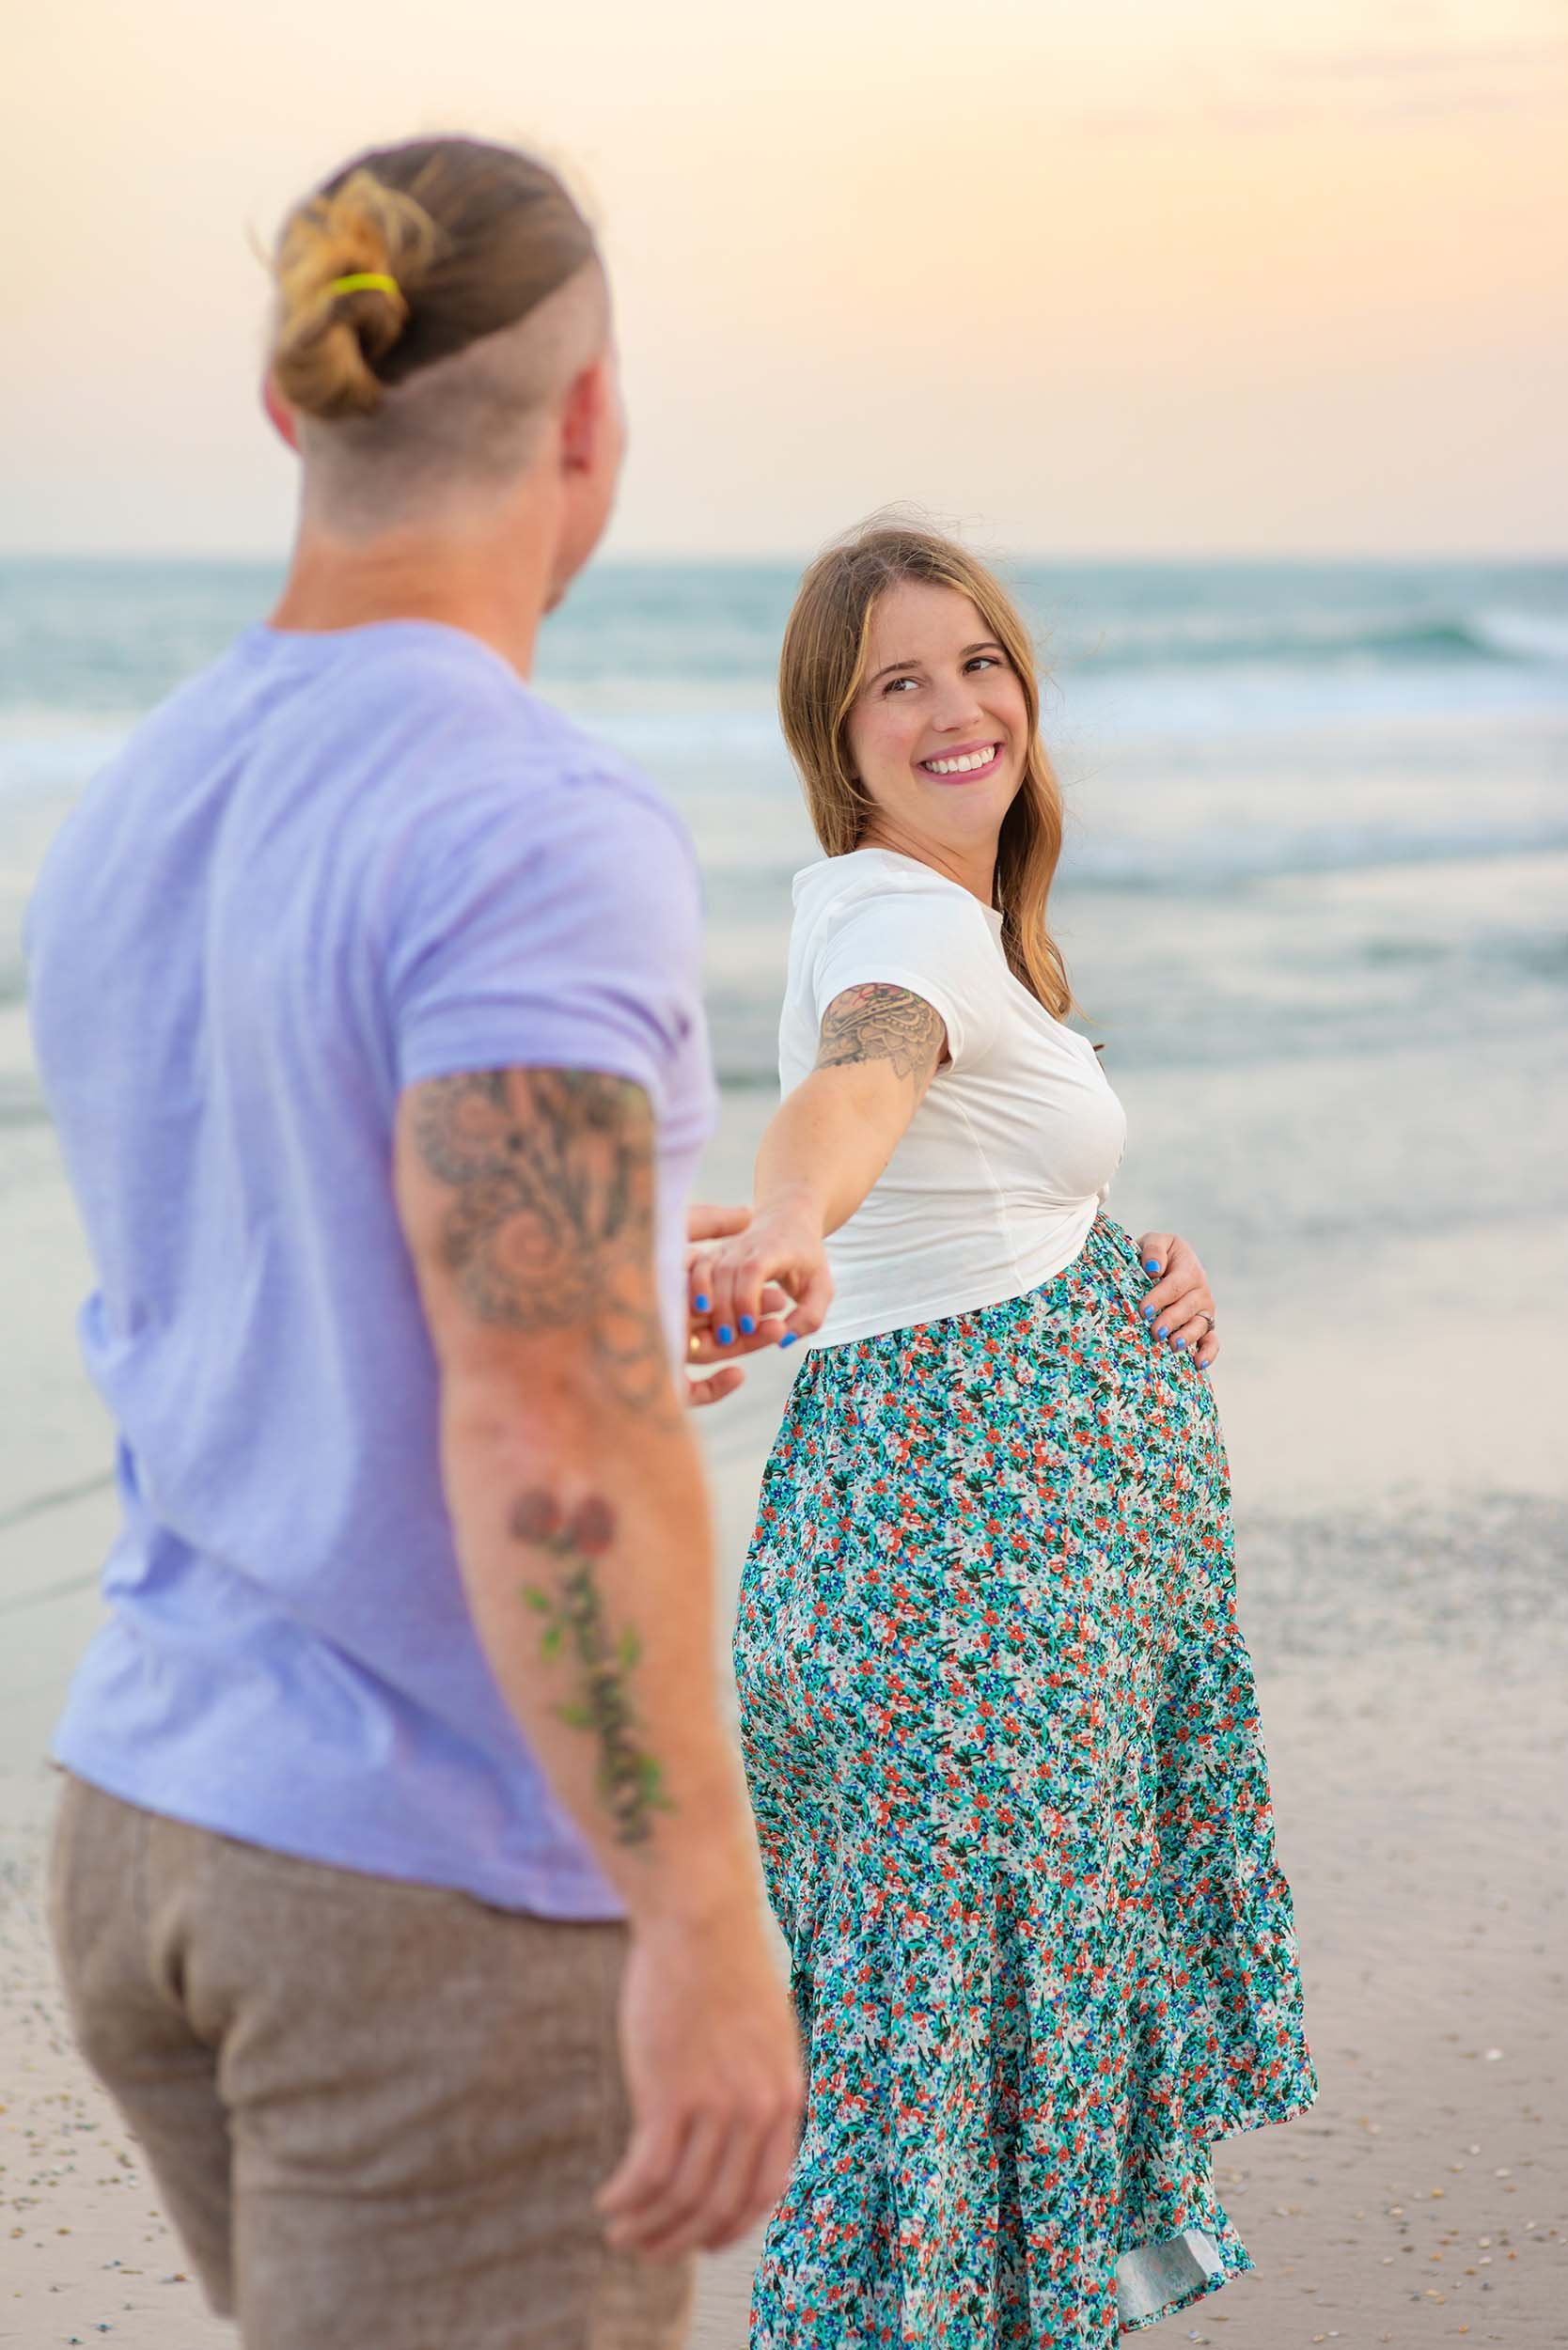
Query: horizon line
[627, 559]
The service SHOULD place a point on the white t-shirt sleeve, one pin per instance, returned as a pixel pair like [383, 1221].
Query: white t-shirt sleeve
[934, 940]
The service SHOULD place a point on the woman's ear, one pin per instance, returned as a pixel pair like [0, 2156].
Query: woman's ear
[280, 414]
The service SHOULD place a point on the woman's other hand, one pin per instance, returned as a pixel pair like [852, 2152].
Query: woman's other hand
[1180, 1307]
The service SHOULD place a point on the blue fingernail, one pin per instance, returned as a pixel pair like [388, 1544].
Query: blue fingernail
[1149, 1313]
[724, 1334]
[1160, 1333]
[1181, 1341]
[1150, 1265]
[747, 1325]
[701, 1305]
[789, 1339]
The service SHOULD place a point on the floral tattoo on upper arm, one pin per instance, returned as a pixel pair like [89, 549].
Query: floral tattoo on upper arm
[877, 1023]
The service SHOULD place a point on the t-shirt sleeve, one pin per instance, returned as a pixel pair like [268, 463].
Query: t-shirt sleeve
[552, 931]
[934, 941]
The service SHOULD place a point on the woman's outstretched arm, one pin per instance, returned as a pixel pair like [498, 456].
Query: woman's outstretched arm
[824, 1148]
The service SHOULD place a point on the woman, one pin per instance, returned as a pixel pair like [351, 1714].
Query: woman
[998, 1719]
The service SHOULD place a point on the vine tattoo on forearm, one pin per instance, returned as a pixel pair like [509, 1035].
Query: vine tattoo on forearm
[630, 1781]
[552, 1218]
[877, 1023]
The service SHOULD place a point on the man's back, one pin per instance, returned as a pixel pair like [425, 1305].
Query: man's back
[333, 867]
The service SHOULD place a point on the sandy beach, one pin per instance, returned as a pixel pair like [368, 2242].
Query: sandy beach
[1400, 1522]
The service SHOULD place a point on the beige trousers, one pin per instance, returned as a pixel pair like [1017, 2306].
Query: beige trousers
[378, 2112]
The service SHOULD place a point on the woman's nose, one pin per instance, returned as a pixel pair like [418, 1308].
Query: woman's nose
[958, 706]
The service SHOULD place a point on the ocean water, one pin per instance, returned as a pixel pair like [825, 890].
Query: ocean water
[1312, 895]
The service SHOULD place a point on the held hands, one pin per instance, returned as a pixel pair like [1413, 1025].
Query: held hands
[703, 1226]
[1180, 1299]
[766, 1285]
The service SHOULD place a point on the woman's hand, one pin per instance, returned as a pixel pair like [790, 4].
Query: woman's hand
[703, 1225]
[1181, 1304]
[775, 1262]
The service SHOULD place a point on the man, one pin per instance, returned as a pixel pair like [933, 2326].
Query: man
[365, 994]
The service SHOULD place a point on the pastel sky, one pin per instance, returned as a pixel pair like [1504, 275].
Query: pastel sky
[1137, 276]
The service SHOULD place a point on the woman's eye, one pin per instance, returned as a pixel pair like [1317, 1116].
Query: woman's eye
[893, 684]
[984, 660]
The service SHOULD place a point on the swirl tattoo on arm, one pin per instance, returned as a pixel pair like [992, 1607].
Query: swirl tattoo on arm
[552, 1216]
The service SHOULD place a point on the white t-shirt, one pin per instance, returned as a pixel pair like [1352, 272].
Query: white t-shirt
[995, 1185]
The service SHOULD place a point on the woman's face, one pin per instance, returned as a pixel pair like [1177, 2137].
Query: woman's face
[939, 733]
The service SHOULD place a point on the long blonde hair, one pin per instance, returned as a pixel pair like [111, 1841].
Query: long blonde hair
[821, 670]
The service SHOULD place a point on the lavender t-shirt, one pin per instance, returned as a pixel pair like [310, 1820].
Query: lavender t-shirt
[328, 868]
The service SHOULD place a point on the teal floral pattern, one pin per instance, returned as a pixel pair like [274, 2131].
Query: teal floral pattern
[1002, 1744]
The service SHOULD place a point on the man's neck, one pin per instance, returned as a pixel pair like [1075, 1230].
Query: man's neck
[461, 582]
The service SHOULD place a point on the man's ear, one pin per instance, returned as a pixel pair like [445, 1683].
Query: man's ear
[280, 414]
[583, 416]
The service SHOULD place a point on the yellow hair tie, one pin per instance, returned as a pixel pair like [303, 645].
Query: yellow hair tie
[366, 281]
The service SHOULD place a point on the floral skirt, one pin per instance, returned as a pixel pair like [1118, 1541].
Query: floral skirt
[1001, 1738]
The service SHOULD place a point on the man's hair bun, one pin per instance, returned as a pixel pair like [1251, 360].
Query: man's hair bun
[327, 344]
[473, 236]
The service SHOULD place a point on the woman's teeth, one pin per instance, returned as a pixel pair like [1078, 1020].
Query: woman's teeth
[961, 766]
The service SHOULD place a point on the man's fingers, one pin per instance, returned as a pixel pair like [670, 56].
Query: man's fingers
[715, 1223]
[671, 2218]
[713, 1390]
[754, 2192]
[643, 2169]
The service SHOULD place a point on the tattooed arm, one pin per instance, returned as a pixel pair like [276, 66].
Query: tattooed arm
[581, 1522]
[823, 1150]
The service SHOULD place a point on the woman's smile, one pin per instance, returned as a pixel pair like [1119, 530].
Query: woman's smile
[969, 763]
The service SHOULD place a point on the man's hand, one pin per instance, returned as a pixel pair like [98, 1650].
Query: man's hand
[1181, 1298]
[713, 2068]
[705, 1224]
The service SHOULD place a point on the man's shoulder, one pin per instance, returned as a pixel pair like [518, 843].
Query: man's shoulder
[506, 748]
